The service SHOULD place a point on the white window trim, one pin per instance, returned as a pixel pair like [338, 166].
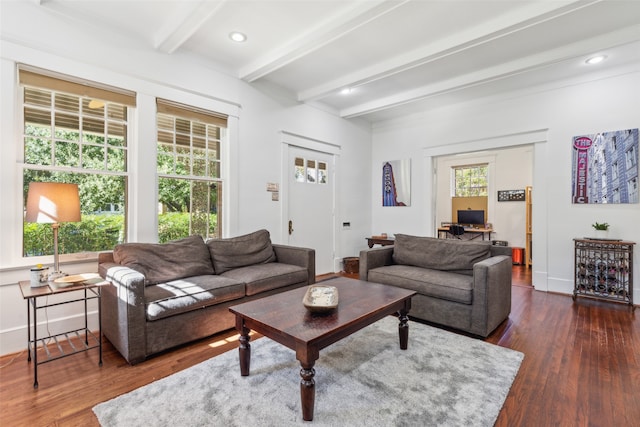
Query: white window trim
[142, 218]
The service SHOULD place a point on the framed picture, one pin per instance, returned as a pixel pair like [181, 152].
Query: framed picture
[396, 183]
[511, 196]
[605, 168]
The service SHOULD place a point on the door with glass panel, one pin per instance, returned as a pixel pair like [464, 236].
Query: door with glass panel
[310, 221]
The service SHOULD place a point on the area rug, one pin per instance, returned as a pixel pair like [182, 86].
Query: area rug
[442, 379]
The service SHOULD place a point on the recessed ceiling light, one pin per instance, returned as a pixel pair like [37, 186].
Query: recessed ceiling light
[595, 59]
[237, 36]
[346, 91]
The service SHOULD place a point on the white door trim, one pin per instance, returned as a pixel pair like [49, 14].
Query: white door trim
[538, 138]
[290, 138]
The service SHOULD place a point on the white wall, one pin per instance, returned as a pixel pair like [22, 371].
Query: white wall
[256, 120]
[546, 118]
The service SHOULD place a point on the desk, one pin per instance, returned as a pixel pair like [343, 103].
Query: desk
[65, 344]
[475, 232]
[376, 240]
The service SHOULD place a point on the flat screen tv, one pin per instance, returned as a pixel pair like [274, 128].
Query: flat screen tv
[471, 217]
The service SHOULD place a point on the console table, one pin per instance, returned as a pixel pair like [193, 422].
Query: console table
[53, 347]
[604, 270]
[376, 240]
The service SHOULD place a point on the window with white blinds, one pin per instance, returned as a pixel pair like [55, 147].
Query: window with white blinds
[189, 171]
[76, 132]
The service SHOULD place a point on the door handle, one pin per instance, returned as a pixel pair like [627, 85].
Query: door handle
[290, 227]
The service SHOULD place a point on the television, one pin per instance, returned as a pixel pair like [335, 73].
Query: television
[471, 217]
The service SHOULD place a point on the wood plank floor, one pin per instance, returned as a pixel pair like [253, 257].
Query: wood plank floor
[581, 368]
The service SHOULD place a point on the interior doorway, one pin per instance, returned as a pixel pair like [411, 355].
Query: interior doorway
[508, 168]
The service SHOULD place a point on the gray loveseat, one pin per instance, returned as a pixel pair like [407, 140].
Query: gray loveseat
[460, 284]
[164, 295]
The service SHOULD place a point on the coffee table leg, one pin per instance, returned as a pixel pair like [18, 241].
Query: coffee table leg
[245, 351]
[307, 391]
[403, 329]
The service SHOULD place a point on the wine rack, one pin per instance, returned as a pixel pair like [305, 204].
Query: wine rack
[604, 270]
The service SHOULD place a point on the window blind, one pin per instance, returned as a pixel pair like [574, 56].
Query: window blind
[191, 113]
[77, 87]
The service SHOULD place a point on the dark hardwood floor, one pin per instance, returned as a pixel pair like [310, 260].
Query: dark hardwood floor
[581, 368]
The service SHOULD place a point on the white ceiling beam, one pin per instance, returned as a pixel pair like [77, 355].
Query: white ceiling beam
[578, 50]
[533, 14]
[345, 21]
[179, 29]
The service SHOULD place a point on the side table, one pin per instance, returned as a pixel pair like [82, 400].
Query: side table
[378, 240]
[65, 344]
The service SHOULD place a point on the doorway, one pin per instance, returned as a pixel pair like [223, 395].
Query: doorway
[508, 168]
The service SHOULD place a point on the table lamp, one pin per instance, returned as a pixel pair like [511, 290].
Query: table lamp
[53, 203]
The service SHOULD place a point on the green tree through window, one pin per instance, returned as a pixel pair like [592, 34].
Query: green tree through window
[188, 163]
[471, 180]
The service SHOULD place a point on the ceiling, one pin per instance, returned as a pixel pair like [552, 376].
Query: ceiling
[394, 57]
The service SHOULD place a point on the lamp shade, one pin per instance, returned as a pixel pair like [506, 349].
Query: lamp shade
[52, 202]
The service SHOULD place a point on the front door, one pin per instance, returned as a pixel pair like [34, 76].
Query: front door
[310, 221]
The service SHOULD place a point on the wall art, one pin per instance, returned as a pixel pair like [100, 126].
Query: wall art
[605, 168]
[396, 183]
[511, 196]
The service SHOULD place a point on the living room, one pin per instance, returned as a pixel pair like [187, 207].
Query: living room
[538, 116]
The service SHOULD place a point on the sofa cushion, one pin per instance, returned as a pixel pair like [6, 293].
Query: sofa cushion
[265, 277]
[190, 293]
[241, 251]
[163, 262]
[439, 254]
[434, 283]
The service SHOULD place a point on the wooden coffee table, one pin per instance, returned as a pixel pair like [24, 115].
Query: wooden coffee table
[283, 318]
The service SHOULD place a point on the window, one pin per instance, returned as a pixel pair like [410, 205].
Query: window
[189, 165]
[616, 195]
[632, 189]
[632, 157]
[471, 180]
[314, 172]
[76, 132]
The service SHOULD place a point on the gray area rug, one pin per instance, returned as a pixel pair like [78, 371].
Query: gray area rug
[442, 379]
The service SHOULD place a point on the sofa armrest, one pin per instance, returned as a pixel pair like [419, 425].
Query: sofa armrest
[294, 255]
[374, 258]
[123, 310]
[491, 294]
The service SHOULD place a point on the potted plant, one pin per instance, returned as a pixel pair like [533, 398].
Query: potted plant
[602, 229]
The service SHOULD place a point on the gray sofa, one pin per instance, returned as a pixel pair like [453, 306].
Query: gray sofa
[164, 295]
[460, 284]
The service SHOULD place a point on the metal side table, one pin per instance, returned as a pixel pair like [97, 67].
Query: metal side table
[57, 346]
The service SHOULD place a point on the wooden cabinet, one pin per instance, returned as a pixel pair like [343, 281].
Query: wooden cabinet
[604, 270]
[528, 230]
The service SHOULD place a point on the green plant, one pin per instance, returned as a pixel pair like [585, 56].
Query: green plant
[599, 226]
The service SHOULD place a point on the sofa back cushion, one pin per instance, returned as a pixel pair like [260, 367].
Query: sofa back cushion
[163, 262]
[439, 254]
[241, 251]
